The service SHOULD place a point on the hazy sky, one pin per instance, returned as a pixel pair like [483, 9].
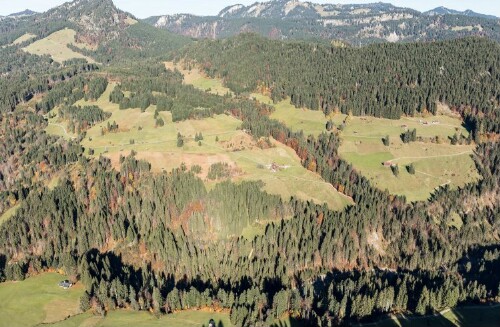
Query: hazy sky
[146, 8]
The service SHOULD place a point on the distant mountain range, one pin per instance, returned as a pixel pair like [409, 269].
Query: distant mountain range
[98, 21]
[354, 23]
[446, 11]
[21, 14]
[24, 13]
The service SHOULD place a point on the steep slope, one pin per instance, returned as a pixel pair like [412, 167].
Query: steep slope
[355, 23]
[107, 32]
[95, 21]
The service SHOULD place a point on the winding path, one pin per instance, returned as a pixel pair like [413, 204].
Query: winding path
[64, 130]
[431, 157]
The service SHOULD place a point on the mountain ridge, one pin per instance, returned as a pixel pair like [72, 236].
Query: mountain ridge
[94, 20]
[106, 31]
[447, 11]
[354, 23]
[24, 13]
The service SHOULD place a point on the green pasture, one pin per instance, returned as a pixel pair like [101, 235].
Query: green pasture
[37, 300]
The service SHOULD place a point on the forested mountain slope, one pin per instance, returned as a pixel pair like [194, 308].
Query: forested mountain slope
[96, 222]
[353, 23]
[163, 242]
[103, 33]
[388, 80]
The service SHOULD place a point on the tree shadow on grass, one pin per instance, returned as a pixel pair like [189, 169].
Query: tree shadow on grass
[292, 322]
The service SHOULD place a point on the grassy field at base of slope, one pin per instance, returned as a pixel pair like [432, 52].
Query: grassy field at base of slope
[56, 46]
[133, 318]
[223, 142]
[191, 318]
[483, 316]
[37, 300]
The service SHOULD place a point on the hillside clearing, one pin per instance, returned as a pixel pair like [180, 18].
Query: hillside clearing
[311, 122]
[9, 213]
[56, 46]
[436, 163]
[58, 129]
[196, 78]
[24, 38]
[222, 142]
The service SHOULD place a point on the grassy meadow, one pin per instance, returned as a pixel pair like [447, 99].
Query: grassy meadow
[55, 45]
[24, 38]
[196, 78]
[223, 142]
[131, 318]
[311, 122]
[43, 301]
[435, 163]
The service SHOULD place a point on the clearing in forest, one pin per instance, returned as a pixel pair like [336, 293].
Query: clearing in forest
[43, 301]
[9, 213]
[223, 142]
[436, 161]
[193, 76]
[24, 38]
[311, 122]
[56, 46]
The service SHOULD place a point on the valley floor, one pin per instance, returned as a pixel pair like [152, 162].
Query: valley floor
[44, 302]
